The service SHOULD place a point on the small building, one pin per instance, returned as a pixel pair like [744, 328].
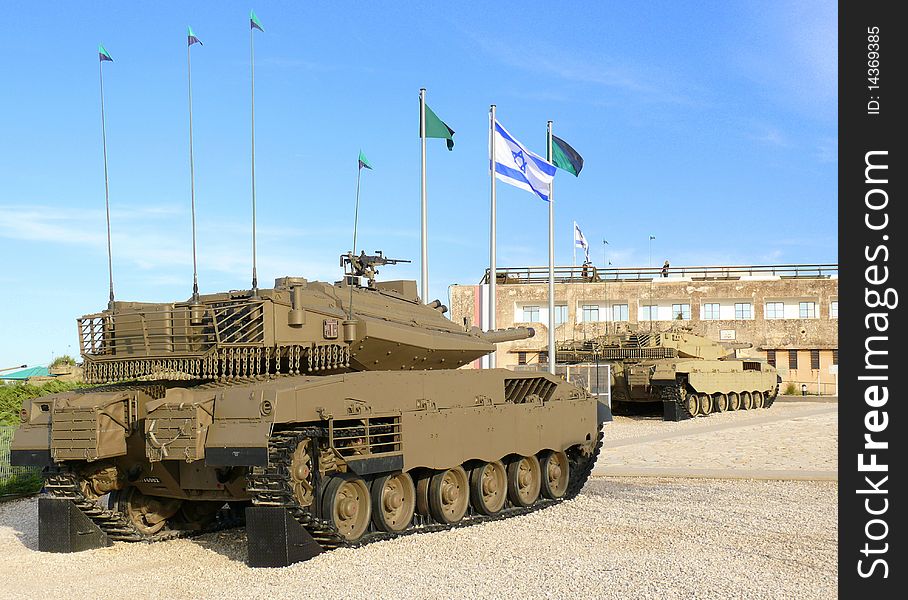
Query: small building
[784, 314]
[23, 375]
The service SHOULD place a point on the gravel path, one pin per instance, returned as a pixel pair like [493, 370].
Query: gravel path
[621, 538]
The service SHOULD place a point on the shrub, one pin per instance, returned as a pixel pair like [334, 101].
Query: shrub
[66, 359]
[791, 390]
[12, 397]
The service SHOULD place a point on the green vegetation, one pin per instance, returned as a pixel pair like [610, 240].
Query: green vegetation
[66, 359]
[22, 483]
[12, 396]
[791, 390]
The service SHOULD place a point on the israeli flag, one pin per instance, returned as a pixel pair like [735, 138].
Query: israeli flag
[516, 165]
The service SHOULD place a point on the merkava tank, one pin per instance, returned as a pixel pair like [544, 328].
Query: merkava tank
[334, 414]
[688, 374]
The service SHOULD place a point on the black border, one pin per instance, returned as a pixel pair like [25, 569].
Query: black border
[859, 133]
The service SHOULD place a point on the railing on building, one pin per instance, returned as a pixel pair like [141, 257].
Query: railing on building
[592, 274]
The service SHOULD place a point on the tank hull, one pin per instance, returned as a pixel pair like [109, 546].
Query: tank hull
[696, 387]
[171, 454]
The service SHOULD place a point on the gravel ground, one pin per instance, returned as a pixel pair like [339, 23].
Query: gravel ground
[621, 538]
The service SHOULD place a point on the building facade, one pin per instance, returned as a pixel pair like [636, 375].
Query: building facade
[785, 314]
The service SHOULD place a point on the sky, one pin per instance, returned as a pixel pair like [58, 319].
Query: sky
[709, 125]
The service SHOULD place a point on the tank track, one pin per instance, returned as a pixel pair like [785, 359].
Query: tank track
[674, 393]
[63, 484]
[270, 486]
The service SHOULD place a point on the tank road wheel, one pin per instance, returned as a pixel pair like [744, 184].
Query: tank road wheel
[758, 399]
[449, 495]
[692, 404]
[747, 401]
[393, 502]
[734, 401]
[706, 404]
[524, 480]
[148, 514]
[346, 505]
[556, 471]
[721, 402]
[301, 478]
[488, 487]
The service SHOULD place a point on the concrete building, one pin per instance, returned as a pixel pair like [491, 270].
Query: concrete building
[788, 314]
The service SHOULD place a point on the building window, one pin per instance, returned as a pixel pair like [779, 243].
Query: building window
[835, 356]
[711, 311]
[531, 314]
[792, 359]
[589, 313]
[775, 310]
[807, 310]
[560, 314]
[744, 311]
[521, 358]
[834, 309]
[649, 312]
[619, 312]
[681, 312]
[771, 357]
[815, 360]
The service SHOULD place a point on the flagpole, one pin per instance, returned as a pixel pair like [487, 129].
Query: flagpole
[195, 273]
[552, 356]
[492, 225]
[255, 281]
[424, 255]
[106, 185]
[359, 174]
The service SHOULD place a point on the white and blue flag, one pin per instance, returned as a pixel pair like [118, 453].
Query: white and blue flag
[516, 165]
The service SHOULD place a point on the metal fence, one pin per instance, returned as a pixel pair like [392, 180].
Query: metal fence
[593, 274]
[8, 471]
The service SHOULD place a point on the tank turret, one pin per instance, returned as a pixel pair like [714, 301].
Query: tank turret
[296, 327]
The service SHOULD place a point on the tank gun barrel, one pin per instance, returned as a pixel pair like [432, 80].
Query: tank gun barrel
[496, 336]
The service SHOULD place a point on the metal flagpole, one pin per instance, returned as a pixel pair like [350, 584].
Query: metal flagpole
[359, 174]
[255, 281]
[492, 272]
[195, 272]
[424, 251]
[552, 355]
[106, 186]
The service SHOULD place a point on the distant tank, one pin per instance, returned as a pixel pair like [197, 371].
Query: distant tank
[335, 414]
[689, 374]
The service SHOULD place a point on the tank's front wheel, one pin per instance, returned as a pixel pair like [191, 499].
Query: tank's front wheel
[692, 403]
[393, 502]
[346, 504]
[555, 474]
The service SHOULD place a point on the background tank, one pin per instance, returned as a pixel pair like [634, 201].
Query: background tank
[333, 414]
[689, 374]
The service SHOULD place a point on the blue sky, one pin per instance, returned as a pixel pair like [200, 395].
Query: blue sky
[711, 125]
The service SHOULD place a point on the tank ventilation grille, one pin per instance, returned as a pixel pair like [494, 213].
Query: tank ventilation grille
[361, 437]
[518, 391]
[651, 353]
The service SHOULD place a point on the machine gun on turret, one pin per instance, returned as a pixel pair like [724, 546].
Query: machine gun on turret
[365, 265]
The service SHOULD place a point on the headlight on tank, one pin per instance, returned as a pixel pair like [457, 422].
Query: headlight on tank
[23, 414]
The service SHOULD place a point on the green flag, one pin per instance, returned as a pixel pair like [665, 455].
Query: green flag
[363, 161]
[254, 22]
[103, 54]
[436, 128]
[565, 157]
